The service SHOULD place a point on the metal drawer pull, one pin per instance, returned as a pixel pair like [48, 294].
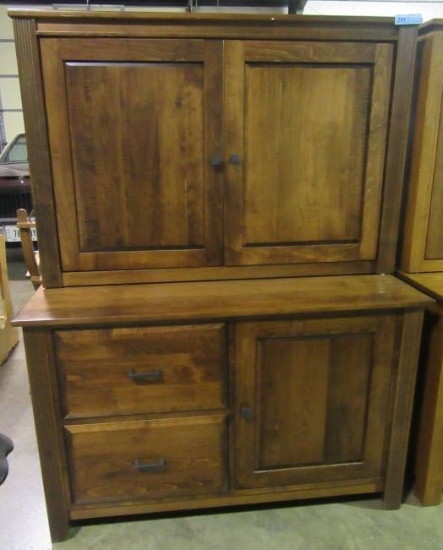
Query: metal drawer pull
[155, 375]
[146, 467]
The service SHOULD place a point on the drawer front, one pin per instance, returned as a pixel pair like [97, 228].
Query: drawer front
[141, 370]
[147, 459]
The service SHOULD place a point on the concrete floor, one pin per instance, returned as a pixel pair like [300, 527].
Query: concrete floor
[333, 525]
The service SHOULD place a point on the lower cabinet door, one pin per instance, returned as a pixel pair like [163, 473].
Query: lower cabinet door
[312, 400]
[146, 459]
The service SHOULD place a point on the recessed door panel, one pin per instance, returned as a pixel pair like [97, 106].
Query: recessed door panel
[311, 121]
[135, 125]
[311, 401]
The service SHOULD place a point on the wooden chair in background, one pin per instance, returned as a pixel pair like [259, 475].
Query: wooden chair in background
[8, 334]
[25, 224]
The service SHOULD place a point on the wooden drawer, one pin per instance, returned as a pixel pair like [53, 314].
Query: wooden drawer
[147, 459]
[140, 370]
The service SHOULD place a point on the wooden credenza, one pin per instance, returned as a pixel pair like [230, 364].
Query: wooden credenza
[217, 201]
[188, 395]
[422, 258]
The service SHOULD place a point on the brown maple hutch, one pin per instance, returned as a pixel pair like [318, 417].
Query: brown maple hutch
[217, 201]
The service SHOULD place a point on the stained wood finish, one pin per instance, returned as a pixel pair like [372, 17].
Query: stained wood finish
[154, 85]
[422, 248]
[47, 414]
[216, 300]
[403, 386]
[312, 149]
[316, 397]
[397, 148]
[429, 451]
[117, 277]
[141, 370]
[56, 23]
[141, 192]
[31, 86]
[152, 459]
[428, 466]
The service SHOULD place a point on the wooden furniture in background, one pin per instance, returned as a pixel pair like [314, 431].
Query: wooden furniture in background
[8, 333]
[216, 158]
[429, 445]
[30, 255]
[423, 253]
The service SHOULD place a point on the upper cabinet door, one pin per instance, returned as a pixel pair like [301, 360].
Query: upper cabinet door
[133, 124]
[306, 129]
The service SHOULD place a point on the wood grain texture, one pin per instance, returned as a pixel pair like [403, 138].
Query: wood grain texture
[118, 277]
[141, 192]
[422, 232]
[397, 148]
[429, 450]
[310, 188]
[210, 25]
[428, 467]
[118, 371]
[403, 385]
[216, 300]
[190, 453]
[235, 498]
[31, 86]
[47, 417]
[294, 379]
[428, 283]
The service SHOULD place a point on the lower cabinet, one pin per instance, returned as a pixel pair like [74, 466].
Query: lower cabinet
[225, 406]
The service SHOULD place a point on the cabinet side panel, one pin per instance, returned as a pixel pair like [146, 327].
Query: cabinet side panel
[403, 385]
[47, 415]
[397, 147]
[31, 87]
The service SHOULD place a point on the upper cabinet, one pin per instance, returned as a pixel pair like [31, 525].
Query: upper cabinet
[423, 243]
[204, 147]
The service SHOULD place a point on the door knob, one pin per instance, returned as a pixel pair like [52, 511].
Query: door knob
[247, 413]
[234, 160]
[215, 160]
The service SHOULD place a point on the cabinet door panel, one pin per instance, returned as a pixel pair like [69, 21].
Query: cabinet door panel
[423, 231]
[133, 186]
[434, 236]
[309, 121]
[317, 395]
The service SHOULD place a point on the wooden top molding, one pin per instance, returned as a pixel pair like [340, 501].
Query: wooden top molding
[214, 25]
[222, 300]
[431, 26]
[430, 283]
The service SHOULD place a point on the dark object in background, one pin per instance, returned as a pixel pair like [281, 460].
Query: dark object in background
[6, 447]
[15, 186]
